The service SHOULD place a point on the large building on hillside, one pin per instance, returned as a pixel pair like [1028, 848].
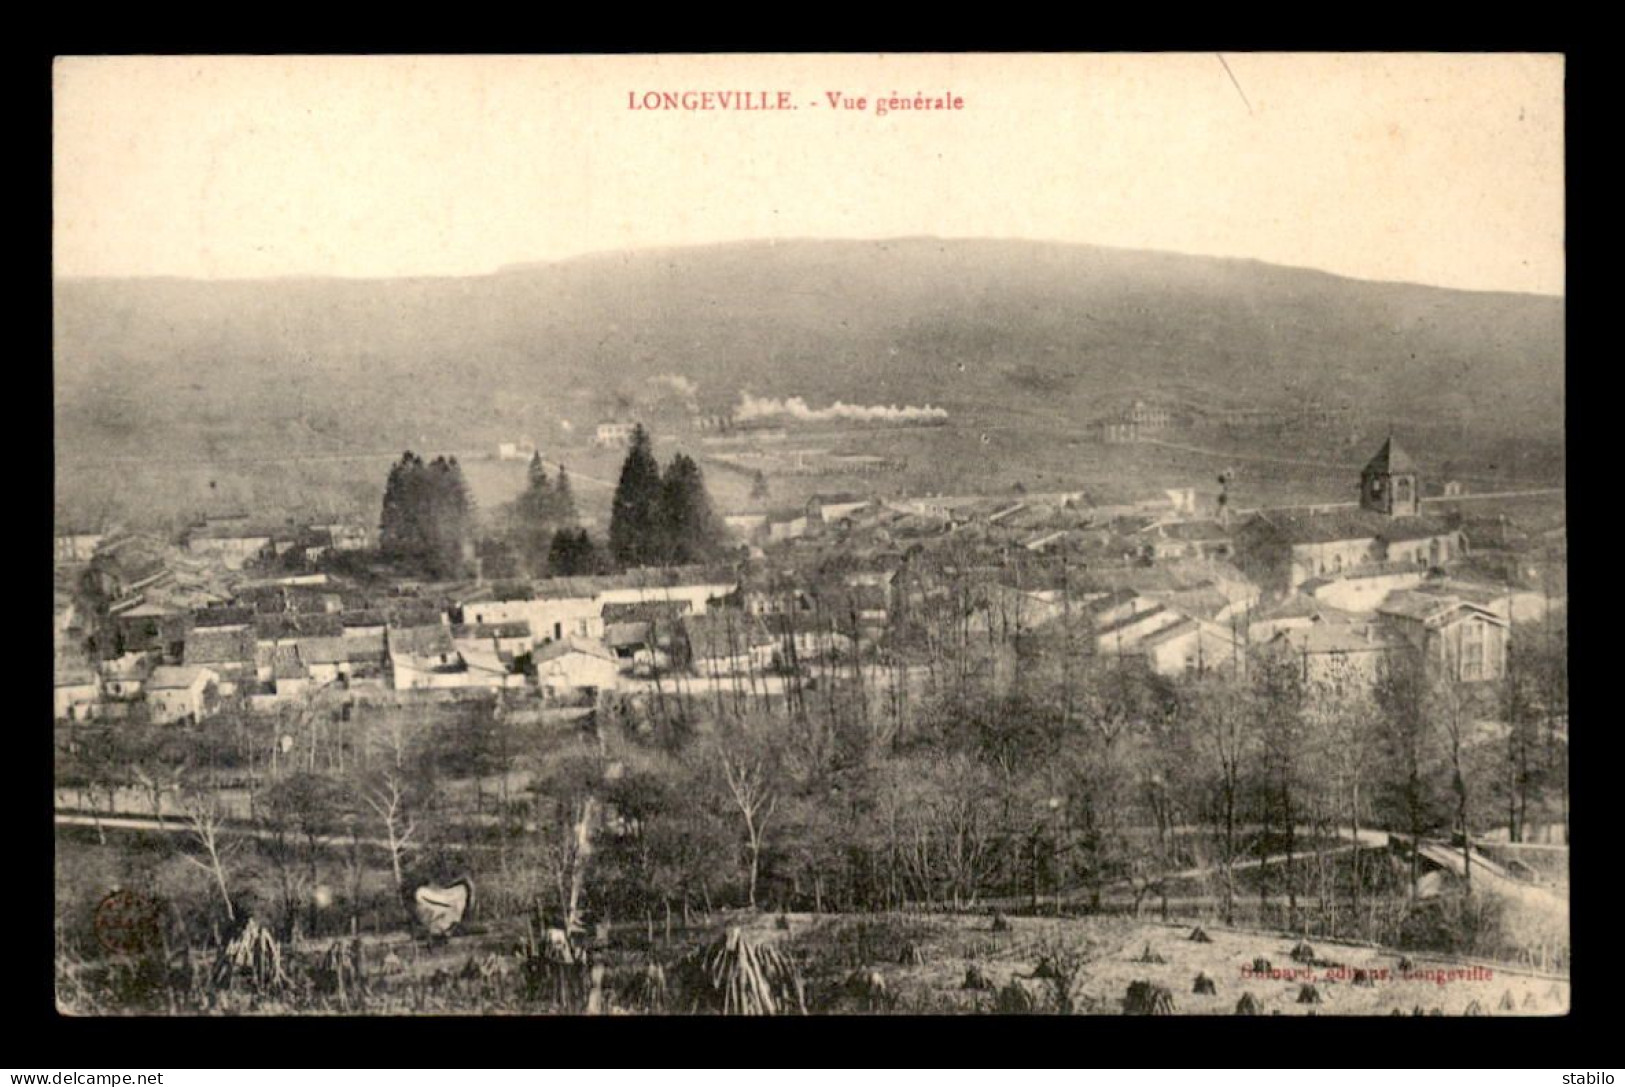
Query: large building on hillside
[1282, 550]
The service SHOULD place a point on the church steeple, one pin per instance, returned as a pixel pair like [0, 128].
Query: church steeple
[1389, 483]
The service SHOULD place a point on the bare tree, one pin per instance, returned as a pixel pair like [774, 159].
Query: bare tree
[749, 784]
[387, 801]
[204, 823]
[1224, 733]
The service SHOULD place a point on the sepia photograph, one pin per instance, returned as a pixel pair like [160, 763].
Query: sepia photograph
[810, 534]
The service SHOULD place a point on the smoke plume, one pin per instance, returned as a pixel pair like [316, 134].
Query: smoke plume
[754, 407]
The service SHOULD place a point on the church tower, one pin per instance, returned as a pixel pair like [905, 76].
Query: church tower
[1389, 484]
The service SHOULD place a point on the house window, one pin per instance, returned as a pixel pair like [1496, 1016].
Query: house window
[1472, 651]
[558, 631]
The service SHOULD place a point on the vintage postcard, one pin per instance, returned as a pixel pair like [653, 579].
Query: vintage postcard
[810, 534]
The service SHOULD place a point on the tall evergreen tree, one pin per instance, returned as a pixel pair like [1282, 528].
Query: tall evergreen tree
[688, 526]
[634, 536]
[531, 525]
[450, 518]
[564, 501]
[537, 498]
[401, 528]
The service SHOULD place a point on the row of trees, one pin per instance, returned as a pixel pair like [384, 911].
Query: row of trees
[662, 519]
[656, 519]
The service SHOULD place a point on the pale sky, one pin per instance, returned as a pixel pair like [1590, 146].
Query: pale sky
[1429, 168]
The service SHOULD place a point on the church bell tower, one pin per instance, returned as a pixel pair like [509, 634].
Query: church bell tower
[1389, 484]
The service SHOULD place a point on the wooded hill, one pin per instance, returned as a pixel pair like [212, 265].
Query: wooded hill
[174, 367]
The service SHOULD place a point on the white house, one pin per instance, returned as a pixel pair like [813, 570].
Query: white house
[833, 507]
[786, 526]
[728, 643]
[1190, 647]
[1467, 640]
[423, 657]
[76, 545]
[1363, 589]
[124, 677]
[349, 659]
[76, 694]
[801, 638]
[1123, 636]
[523, 449]
[573, 607]
[574, 664]
[179, 692]
[614, 432]
[233, 546]
[513, 637]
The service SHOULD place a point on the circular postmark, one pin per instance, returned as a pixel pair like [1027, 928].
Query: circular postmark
[127, 922]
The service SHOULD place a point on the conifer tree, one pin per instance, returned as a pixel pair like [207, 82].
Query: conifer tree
[634, 533]
[532, 524]
[564, 501]
[688, 526]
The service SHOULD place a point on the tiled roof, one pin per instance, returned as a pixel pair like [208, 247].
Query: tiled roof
[1423, 607]
[724, 633]
[429, 640]
[1297, 606]
[1190, 531]
[1138, 617]
[286, 664]
[1348, 524]
[563, 588]
[230, 616]
[1391, 458]
[284, 625]
[220, 645]
[355, 649]
[149, 611]
[1482, 593]
[801, 622]
[620, 635]
[1204, 600]
[175, 677]
[518, 628]
[646, 611]
[573, 644]
[1338, 638]
[1114, 599]
[1414, 528]
[1170, 632]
